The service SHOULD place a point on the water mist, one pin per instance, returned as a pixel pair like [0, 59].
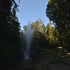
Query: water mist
[28, 35]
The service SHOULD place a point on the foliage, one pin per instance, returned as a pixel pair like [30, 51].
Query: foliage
[58, 12]
[52, 35]
[9, 32]
[58, 57]
[44, 36]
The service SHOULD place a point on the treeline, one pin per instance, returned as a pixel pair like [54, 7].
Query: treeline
[45, 36]
[58, 12]
[9, 34]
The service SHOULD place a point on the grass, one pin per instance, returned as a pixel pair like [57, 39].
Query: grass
[60, 60]
[58, 57]
[33, 67]
[47, 68]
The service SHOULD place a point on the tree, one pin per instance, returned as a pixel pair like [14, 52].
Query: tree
[39, 33]
[9, 33]
[24, 27]
[52, 35]
[58, 12]
[44, 36]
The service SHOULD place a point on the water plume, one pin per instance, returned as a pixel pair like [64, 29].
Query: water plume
[28, 36]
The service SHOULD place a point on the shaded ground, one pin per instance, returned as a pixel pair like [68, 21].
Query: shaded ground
[49, 60]
[44, 64]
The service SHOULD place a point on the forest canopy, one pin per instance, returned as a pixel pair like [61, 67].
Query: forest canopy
[58, 12]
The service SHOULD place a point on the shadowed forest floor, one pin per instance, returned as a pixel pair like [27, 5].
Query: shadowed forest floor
[44, 64]
[49, 60]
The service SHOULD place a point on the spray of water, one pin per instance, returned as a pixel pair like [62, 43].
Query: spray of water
[28, 35]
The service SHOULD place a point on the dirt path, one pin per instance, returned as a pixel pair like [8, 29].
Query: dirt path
[24, 65]
[45, 65]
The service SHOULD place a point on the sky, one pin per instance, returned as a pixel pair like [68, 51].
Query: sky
[31, 10]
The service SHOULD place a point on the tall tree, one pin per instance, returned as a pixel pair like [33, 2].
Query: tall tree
[9, 32]
[58, 12]
[52, 35]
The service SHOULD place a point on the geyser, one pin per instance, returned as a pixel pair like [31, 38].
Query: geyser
[28, 35]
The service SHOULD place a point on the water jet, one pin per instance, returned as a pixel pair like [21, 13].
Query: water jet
[28, 36]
